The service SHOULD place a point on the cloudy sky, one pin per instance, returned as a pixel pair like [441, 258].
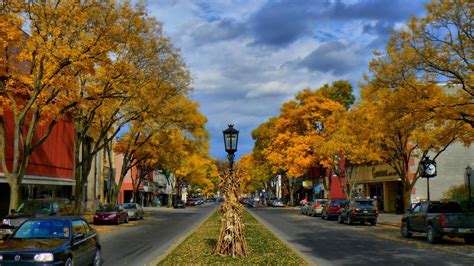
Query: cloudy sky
[247, 57]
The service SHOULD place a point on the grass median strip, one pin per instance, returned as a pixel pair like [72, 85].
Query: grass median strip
[264, 247]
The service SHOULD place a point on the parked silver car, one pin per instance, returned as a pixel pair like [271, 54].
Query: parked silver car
[134, 210]
[316, 207]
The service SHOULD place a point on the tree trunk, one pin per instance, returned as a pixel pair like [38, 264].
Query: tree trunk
[292, 197]
[406, 197]
[14, 195]
[170, 200]
[82, 167]
[232, 238]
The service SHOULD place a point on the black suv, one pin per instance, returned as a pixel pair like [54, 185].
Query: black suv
[361, 211]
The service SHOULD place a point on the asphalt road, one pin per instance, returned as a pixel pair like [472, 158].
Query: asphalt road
[330, 243]
[143, 243]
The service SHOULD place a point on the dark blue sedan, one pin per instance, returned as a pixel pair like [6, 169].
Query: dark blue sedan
[52, 241]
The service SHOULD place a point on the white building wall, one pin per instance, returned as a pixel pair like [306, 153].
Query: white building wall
[451, 171]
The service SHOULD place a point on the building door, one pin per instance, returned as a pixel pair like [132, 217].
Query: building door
[376, 191]
[127, 196]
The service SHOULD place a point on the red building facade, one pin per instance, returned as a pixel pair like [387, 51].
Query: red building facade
[50, 168]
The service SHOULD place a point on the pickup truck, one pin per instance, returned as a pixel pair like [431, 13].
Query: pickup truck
[33, 208]
[438, 219]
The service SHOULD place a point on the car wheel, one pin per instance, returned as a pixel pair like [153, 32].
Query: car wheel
[430, 235]
[126, 219]
[69, 262]
[97, 258]
[323, 216]
[349, 220]
[339, 219]
[135, 216]
[405, 231]
[373, 222]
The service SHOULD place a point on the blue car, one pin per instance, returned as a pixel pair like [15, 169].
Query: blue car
[52, 241]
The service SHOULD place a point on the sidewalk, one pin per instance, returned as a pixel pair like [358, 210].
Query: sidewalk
[390, 219]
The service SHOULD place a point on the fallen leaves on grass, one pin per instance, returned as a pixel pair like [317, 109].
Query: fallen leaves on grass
[264, 247]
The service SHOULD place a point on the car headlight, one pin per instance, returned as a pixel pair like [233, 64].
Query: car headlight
[112, 215]
[1, 257]
[7, 222]
[44, 257]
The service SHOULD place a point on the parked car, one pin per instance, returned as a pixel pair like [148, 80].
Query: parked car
[179, 204]
[251, 204]
[192, 202]
[277, 203]
[134, 210]
[34, 208]
[331, 210]
[305, 207]
[52, 241]
[437, 219]
[316, 207]
[110, 213]
[361, 211]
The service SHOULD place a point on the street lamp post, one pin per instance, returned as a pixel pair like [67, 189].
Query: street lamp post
[468, 173]
[231, 138]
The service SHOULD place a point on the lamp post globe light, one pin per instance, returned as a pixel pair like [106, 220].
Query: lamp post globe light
[231, 139]
[468, 174]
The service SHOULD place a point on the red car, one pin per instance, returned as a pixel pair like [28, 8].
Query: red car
[110, 213]
[332, 209]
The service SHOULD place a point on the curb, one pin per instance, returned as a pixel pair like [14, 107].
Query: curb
[179, 241]
[286, 243]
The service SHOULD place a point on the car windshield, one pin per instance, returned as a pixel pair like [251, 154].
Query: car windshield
[108, 208]
[359, 204]
[35, 207]
[129, 206]
[43, 229]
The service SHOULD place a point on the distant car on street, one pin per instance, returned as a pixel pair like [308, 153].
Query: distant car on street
[52, 241]
[179, 204]
[331, 210]
[192, 202]
[305, 207]
[316, 207]
[277, 203]
[360, 211]
[110, 213]
[134, 211]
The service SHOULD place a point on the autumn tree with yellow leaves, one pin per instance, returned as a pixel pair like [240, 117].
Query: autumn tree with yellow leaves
[48, 47]
[105, 65]
[294, 149]
[419, 94]
[434, 50]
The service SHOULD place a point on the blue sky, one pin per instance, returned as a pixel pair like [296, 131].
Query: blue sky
[248, 57]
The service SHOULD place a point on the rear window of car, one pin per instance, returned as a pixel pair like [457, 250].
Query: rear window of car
[108, 208]
[337, 202]
[129, 206]
[445, 207]
[364, 204]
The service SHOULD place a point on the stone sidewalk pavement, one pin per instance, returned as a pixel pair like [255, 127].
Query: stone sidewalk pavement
[390, 219]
